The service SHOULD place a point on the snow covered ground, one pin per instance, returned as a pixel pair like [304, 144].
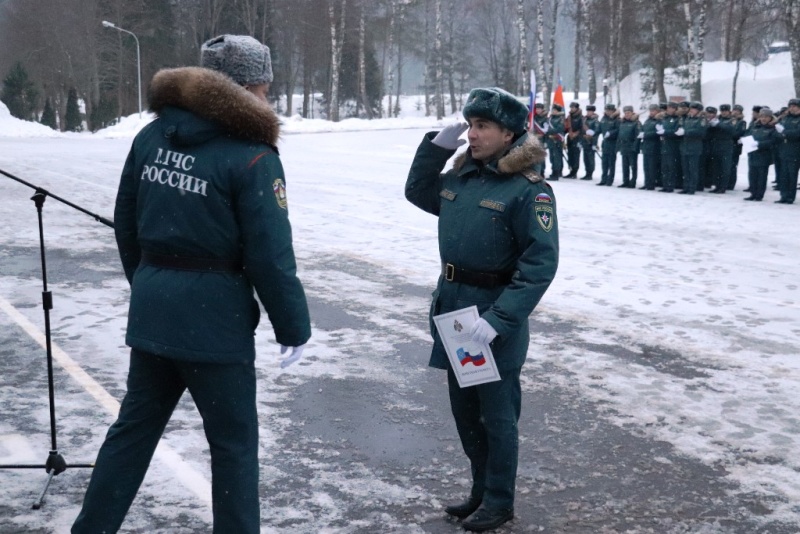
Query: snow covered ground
[676, 318]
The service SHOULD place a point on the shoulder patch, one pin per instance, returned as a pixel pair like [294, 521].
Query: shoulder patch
[279, 188]
[544, 215]
[533, 177]
[446, 193]
[543, 197]
[493, 205]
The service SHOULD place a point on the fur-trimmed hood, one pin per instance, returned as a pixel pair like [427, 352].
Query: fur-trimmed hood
[215, 97]
[519, 159]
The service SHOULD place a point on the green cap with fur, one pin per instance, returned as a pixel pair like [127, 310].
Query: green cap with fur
[497, 105]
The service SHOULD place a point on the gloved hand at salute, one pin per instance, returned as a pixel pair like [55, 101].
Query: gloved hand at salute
[295, 355]
[482, 332]
[780, 128]
[448, 138]
[680, 131]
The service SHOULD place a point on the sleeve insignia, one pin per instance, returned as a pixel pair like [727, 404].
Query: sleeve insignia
[544, 214]
[543, 197]
[279, 188]
[493, 205]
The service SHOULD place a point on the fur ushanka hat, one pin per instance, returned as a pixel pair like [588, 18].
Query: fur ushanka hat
[241, 57]
[497, 105]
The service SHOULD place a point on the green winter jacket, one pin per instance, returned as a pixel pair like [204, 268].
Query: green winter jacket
[204, 182]
[495, 218]
[628, 135]
[694, 129]
[789, 139]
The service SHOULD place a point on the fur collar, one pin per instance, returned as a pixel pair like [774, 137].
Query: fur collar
[520, 159]
[215, 97]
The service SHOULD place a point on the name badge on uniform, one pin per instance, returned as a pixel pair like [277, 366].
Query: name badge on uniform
[446, 193]
[493, 205]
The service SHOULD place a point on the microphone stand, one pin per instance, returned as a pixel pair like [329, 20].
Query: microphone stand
[55, 463]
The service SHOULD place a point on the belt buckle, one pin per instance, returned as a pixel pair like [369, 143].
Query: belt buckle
[449, 272]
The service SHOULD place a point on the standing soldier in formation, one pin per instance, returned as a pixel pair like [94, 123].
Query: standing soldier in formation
[765, 135]
[721, 133]
[555, 142]
[692, 130]
[754, 116]
[670, 147]
[651, 149]
[540, 129]
[628, 146]
[609, 128]
[740, 127]
[789, 130]
[591, 129]
[574, 127]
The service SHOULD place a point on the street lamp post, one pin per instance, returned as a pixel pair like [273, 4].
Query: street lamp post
[605, 91]
[138, 60]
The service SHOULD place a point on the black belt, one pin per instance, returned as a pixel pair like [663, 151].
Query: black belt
[487, 280]
[192, 264]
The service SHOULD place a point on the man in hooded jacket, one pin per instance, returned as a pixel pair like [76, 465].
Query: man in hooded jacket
[498, 243]
[201, 222]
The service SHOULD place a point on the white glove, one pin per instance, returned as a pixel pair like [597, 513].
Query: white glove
[713, 122]
[546, 127]
[680, 131]
[589, 132]
[659, 129]
[780, 128]
[740, 141]
[605, 135]
[295, 355]
[482, 332]
[640, 136]
[448, 138]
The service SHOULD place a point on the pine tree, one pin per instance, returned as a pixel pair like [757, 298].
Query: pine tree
[49, 115]
[72, 120]
[19, 93]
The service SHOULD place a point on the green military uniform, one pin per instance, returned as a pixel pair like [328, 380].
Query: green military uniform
[651, 153]
[759, 160]
[541, 126]
[574, 127]
[589, 144]
[628, 147]
[201, 222]
[694, 131]
[789, 152]
[671, 153]
[609, 128]
[740, 130]
[496, 219]
[720, 137]
[555, 143]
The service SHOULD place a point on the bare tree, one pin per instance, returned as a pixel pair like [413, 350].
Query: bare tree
[337, 41]
[590, 70]
[362, 64]
[525, 85]
[659, 48]
[578, 40]
[437, 52]
[791, 19]
[541, 75]
[552, 50]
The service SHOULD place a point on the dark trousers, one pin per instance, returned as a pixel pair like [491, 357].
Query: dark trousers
[225, 397]
[573, 155]
[757, 174]
[670, 164]
[630, 168]
[609, 163]
[486, 418]
[788, 181]
[691, 172]
[719, 168]
[554, 146]
[588, 159]
[652, 170]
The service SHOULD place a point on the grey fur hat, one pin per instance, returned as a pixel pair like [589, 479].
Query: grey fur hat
[241, 57]
[497, 105]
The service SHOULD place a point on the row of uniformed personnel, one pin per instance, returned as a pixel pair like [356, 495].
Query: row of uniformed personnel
[684, 145]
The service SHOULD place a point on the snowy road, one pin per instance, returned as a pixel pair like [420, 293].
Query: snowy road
[660, 390]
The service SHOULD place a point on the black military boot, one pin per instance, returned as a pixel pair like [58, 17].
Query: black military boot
[486, 519]
[463, 509]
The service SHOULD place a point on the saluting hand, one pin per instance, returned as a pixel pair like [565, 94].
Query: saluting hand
[448, 138]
